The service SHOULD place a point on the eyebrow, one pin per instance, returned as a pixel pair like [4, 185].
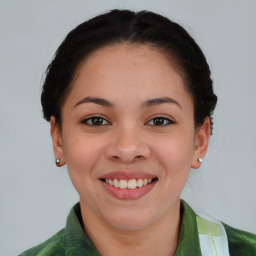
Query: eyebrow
[157, 101]
[148, 103]
[98, 101]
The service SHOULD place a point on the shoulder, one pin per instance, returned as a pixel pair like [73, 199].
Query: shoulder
[240, 242]
[72, 240]
[54, 246]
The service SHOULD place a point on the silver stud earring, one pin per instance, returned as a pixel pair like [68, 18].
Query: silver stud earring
[200, 160]
[57, 162]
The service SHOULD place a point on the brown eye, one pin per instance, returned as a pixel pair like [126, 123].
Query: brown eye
[160, 121]
[95, 121]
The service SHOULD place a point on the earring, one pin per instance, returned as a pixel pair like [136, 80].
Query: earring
[57, 162]
[200, 160]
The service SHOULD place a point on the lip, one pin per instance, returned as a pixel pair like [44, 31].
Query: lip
[128, 175]
[128, 194]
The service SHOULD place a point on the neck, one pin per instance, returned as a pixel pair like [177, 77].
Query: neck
[160, 238]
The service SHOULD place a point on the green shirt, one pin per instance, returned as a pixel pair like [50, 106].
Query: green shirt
[73, 241]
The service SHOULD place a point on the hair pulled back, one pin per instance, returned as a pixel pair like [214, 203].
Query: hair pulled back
[124, 26]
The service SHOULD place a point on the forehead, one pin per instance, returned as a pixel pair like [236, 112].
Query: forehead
[125, 53]
[124, 69]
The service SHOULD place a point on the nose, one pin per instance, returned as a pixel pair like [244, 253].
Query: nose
[128, 146]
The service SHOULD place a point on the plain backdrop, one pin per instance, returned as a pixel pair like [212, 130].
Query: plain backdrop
[36, 196]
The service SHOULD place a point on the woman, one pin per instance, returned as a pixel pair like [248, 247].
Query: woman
[130, 100]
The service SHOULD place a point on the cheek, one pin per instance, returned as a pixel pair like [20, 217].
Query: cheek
[80, 149]
[175, 156]
[176, 150]
[80, 155]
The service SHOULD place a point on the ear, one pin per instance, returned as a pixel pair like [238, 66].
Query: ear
[57, 141]
[202, 137]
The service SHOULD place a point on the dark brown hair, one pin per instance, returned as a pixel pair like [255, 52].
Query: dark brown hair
[124, 26]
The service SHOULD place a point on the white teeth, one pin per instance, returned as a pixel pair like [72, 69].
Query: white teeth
[123, 184]
[130, 184]
[115, 183]
[139, 183]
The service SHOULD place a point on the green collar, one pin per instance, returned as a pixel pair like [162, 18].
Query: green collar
[78, 243]
[188, 243]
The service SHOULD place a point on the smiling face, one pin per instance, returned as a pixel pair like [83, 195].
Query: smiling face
[128, 137]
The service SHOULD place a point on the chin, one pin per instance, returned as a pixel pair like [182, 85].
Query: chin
[130, 220]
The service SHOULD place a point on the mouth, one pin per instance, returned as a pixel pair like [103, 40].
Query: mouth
[128, 186]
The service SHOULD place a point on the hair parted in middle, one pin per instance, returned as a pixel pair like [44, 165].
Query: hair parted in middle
[138, 28]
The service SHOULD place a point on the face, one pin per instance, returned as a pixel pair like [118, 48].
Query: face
[128, 136]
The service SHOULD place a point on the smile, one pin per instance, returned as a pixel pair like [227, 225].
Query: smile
[128, 184]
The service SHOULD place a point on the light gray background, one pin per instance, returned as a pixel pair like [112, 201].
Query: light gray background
[36, 196]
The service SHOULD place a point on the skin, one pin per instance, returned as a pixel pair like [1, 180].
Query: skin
[129, 140]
